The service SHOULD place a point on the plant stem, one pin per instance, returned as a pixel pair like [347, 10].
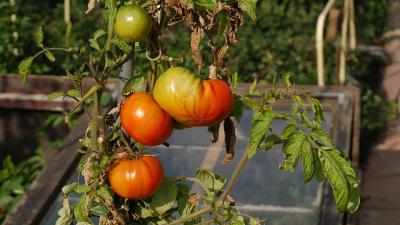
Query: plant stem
[221, 200]
[192, 216]
[235, 175]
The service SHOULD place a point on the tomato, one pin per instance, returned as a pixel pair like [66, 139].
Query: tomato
[192, 101]
[144, 120]
[137, 178]
[132, 23]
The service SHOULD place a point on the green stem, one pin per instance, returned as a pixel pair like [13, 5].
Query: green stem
[181, 220]
[221, 200]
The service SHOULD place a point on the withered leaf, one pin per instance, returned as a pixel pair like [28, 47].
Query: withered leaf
[196, 37]
[230, 140]
[214, 130]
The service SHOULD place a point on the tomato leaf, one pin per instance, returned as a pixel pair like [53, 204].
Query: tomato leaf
[99, 209]
[317, 109]
[209, 4]
[210, 180]
[38, 37]
[133, 84]
[260, 124]
[251, 103]
[80, 210]
[249, 6]
[105, 193]
[286, 78]
[165, 196]
[121, 44]
[341, 177]
[67, 189]
[55, 95]
[293, 148]
[74, 93]
[81, 188]
[308, 162]
[271, 140]
[49, 55]
[24, 67]
[289, 130]
[237, 111]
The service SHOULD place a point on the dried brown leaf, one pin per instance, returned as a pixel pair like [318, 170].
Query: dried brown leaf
[230, 140]
[214, 130]
[196, 37]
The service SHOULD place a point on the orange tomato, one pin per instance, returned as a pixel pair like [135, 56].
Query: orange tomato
[192, 101]
[144, 120]
[136, 179]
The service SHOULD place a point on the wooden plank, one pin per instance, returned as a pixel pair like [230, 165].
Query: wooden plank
[47, 185]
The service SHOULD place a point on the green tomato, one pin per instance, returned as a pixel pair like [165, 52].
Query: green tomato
[132, 23]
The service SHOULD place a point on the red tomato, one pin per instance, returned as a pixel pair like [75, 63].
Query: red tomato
[144, 120]
[136, 179]
[192, 101]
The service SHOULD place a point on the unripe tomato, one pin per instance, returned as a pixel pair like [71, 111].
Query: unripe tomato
[144, 120]
[192, 101]
[136, 179]
[132, 23]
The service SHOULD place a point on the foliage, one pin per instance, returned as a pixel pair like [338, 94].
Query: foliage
[15, 179]
[303, 139]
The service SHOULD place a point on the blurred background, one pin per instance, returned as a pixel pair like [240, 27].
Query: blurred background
[281, 40]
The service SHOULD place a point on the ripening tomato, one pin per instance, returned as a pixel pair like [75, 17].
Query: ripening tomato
[136, 179]
[144, 120]
[192, 101]
[132, 23]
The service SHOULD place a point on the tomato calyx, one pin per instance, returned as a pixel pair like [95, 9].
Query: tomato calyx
[126, 153]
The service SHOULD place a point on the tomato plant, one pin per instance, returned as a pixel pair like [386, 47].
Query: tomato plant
[132, 23]
[136, 179]
[144, 120]
[192, 101]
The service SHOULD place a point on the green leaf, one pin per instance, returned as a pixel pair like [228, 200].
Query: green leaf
[144, 212]
[322, 137]
[271, 140]
[68, 39]
[24, 67]
[251, 103]
[81, 188]
[260, 124]
[252, 87]
[286, 78]
[133, 84]
[49, 56]
[319, 172]
[209, 4]
[289, 130]
[105, 193]
[94, 44]
[99, 33]
[55, 95]
[317, 109]
[308, 162]
[80, 210]
[67, 189]
[99, 209]
[336, 177]
[249, 6]
[210, 180]
[121, 44]
[237, 111]
[165, 196]
[234, 81]
[293, 148]
[74, 93]
[354, 198]
[38, 36]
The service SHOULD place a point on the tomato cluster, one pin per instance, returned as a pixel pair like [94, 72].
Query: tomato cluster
[178, 97]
